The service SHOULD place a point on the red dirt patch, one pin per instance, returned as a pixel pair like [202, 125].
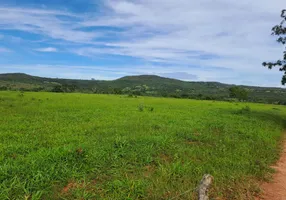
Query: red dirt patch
[68, 187]
[149, 170]
[276, 189]
[72, 186]
[165, 158]
[193, 142]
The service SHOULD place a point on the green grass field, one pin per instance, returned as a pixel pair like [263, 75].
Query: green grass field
[83, 146]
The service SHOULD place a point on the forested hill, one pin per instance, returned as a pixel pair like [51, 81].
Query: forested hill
[148, 85]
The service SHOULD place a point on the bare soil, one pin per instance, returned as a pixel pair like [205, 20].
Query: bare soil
[276, 189]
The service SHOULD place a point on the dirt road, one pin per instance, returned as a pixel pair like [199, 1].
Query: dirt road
[276, 189]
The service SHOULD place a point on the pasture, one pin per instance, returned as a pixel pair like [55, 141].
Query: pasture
[85, 146]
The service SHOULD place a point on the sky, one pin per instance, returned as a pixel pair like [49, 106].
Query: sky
[192, 40]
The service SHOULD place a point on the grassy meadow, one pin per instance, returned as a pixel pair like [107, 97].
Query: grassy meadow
[84, 146]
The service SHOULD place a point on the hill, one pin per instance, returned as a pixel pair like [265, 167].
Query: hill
[148, 85]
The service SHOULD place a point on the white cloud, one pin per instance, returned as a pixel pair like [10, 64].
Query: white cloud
[203, 38]
[52, 23]
[5, 50]
[47, 49]
[223, 33]
[183, 28]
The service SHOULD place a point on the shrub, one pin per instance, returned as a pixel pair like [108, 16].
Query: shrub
[4, 88]
[244, 110]
[57, 88]
[21, 94]
[141, 107]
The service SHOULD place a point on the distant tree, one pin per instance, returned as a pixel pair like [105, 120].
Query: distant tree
[110, 90]
[185, 95]
[3, 88]
[68, 88]
[280, 31]
[57, 88]
[164, 94]
[72, 88]
[94, 90]
[126, 90]
[209, 98]
[136, 92]
[145, 87]
[178, 91]
[37, 89]
[238, 92]
[117, 91]
[138, 88]
[22, 89]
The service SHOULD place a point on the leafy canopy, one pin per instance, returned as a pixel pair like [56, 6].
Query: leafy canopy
[280, 32]
[238, 92]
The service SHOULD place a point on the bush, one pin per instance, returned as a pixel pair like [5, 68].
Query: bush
[141, 108]
[57, 88]
[244, 110]
[3, 88]
[21, 94]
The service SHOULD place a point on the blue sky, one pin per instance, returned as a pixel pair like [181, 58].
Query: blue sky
[195, 40]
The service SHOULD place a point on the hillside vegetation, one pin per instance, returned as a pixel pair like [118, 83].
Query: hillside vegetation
[146, 85]
[86, 146]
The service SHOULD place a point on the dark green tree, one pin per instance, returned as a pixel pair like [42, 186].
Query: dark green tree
[280, 32]
[68, 88]
[57, 88]
[117, 91]
[238, 93]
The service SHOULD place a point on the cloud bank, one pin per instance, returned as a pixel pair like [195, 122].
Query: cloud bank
[222, 40]
[47, 49]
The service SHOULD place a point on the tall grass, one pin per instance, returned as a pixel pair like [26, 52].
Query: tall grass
[80, 146]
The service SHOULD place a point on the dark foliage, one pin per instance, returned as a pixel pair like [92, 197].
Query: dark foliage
[280, 32]
[57, 88]
[146, 85]
[238, 93]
